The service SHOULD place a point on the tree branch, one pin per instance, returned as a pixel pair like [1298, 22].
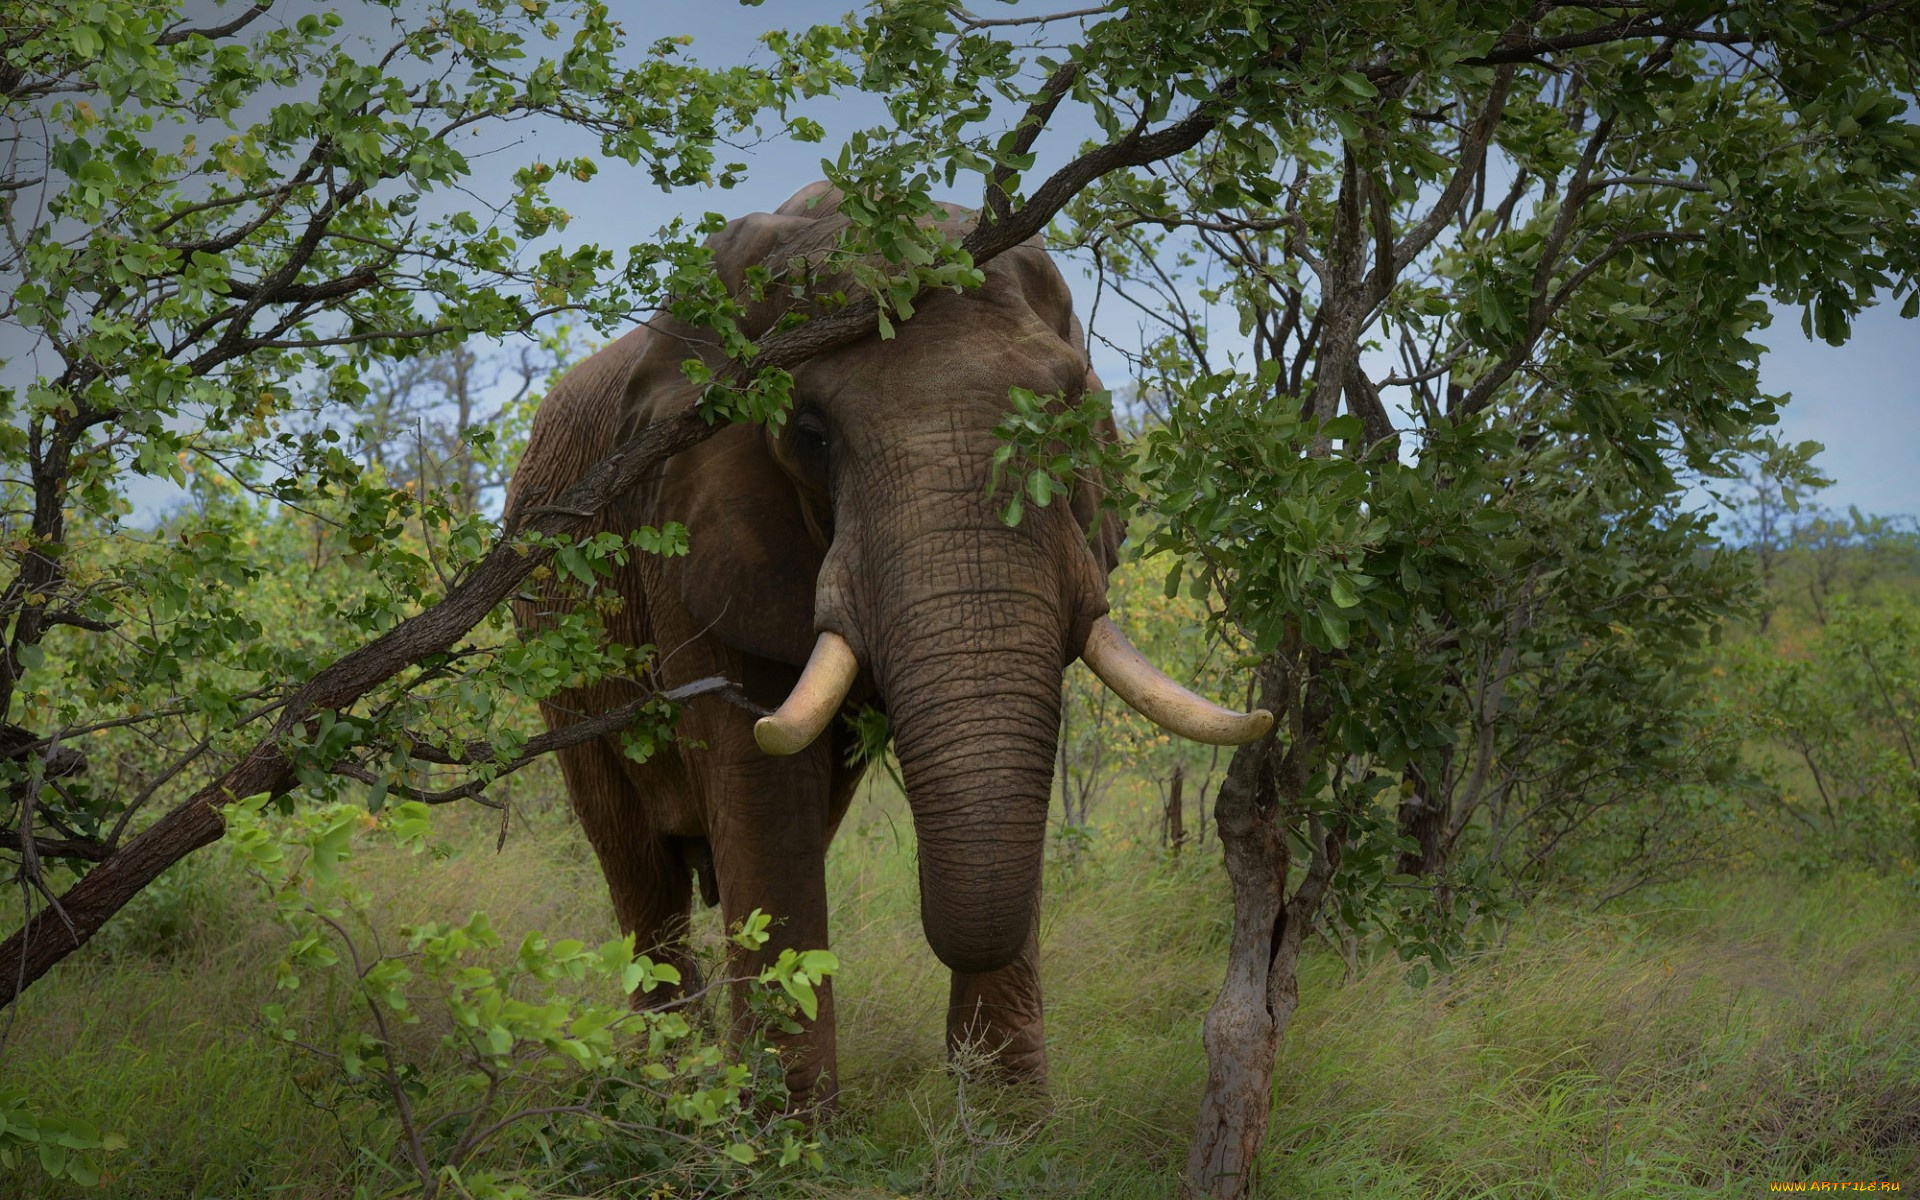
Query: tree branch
[267, 767]
[996, 201]
[213, 33]
[1473, 157]
[969, 21]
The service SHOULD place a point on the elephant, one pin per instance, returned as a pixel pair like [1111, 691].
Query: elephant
[851, 556]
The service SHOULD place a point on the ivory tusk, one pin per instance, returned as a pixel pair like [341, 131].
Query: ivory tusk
[1159, 699]
[824, 684]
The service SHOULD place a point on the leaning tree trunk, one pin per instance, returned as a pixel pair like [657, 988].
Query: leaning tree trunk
[33, 949]
[1257, 999]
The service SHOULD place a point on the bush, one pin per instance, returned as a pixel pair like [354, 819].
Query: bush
[449, 1046]
[1839, 705]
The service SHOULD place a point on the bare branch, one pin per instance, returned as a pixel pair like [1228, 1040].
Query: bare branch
[1473, 159]
[1137, 149]
[969, 21]
[1685, 185]
[87, 849]
[997, 202]
[213, 33]
[1541, 308]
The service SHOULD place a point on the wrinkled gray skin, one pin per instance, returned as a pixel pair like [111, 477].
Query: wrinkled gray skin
[867, 516]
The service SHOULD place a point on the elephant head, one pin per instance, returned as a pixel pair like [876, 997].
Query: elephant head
[861, 542]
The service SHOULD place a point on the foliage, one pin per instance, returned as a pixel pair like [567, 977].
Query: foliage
[1103, 742]
[525, 1051]
[1479, 604]
[226, 241]
[1561, 231]
[1807, 557]
[455, 422]
[1839, 706]
[64, 1148]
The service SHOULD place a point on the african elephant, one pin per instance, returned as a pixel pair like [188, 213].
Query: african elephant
[853, 556]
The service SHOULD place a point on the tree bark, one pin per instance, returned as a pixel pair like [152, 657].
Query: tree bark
[1423, 818]
[45, 939]
[1263, 790]
[1242, 1031]
[1176, 813]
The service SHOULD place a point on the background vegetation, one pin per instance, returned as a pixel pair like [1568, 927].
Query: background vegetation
[1742, 1016]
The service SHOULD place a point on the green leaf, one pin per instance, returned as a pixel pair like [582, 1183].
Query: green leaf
[574, 563]
[1358, 84]
[1040, 488]
[83, 1171]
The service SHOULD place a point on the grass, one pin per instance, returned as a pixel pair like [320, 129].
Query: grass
[1735, 1032]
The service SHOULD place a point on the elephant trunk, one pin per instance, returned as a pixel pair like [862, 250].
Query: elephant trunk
[973, 690]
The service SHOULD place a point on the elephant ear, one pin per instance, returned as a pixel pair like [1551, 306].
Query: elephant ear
[751, 562]
[1104, 527]
[1045, 291]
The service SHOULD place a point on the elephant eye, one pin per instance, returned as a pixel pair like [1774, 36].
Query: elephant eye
[809, 435]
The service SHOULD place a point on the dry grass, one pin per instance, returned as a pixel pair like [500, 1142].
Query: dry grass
[1744, 1030]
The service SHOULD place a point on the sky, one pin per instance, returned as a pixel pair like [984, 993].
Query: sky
[1862, 401]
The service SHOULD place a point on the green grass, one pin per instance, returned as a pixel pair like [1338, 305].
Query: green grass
[1737, 1031]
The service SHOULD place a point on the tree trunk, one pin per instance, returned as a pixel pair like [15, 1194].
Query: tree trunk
[1424, 818]
[1242, 1032]
[1176, 815]
[46, 938]
[1262, 985]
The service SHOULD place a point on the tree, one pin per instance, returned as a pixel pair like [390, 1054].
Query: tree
[424, 415]
[1559, 222]
[1761, 519]
[184, 292]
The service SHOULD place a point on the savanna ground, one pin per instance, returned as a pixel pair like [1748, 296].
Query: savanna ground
[1700, 1040]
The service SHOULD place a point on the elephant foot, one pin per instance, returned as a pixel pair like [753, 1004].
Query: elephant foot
[995, 1026]
[980, 1046]
[814, 1101]
[1024, 1069]
[1010, 1087]
[796, 1070]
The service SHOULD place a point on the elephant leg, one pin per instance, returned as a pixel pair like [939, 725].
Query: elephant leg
[770, 850]
[997, 1014]
[647, 875]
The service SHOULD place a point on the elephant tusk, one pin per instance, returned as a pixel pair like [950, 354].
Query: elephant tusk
[1159, 699]
[824, 684]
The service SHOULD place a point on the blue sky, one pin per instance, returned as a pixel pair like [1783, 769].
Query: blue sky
[1862, 401]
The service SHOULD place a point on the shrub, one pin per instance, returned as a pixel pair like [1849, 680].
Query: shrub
[445, 1051]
